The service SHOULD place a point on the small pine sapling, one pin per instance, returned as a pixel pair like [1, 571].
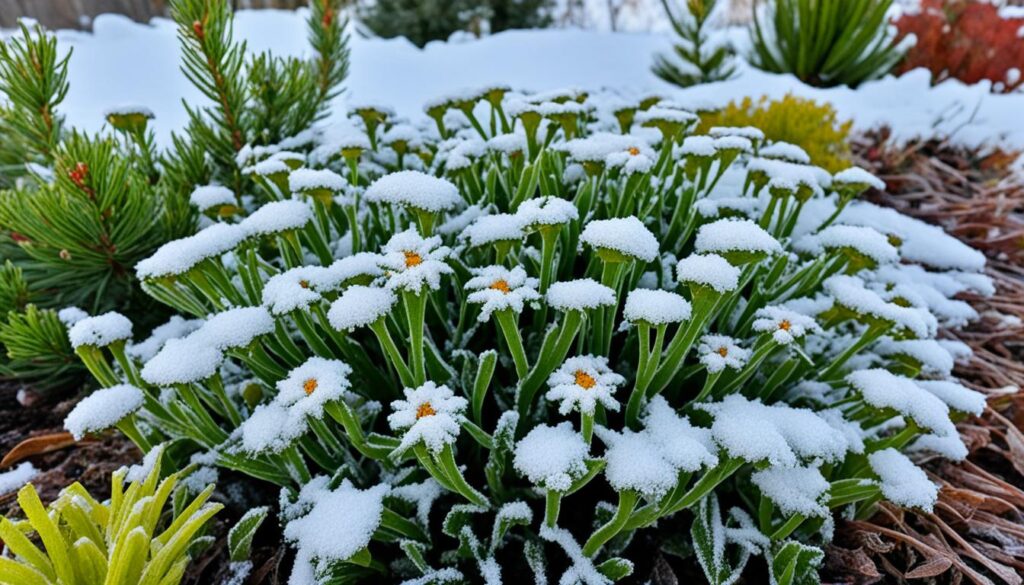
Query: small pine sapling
[696, 57]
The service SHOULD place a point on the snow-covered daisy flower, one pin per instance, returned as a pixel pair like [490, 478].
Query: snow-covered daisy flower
[310, 386]
[499, 289]
[856, 179]
[782, 324]
[582, 382]
[708, 270]
[320, 184]
[292, 289]
[621, 238]
[348, 515]
[492, 229]
[411, 262]
[787, 152]
[100, 331]
[181, 361]
[720, 351]
[233, 328]
[103, 409]
[778, 434]
[866, 242]
[276, 217]
[547, 211]
[181, 255]
[360, 306]
[694, 147]
[207, 197]
[734, 235]
[656, 307]
[552, 457]
[634, 462]
[416, 190]
[903, 483]
[794, 490]
[579, 295]
[430, 414]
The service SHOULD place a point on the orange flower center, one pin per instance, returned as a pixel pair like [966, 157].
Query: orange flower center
[585, 380]
[309, 386]
[304, 283]
[425, 410]
[634, 150]
[501, 285]
[723, 351]
[412, 259]
[785, 325]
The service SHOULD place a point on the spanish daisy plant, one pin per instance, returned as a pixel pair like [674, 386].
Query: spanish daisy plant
[521, 337]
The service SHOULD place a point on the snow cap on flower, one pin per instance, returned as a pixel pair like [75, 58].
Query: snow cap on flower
[749, 132]
[292, 289]
[787, 152]
[683, 445]
[301, 180]
[103, 409]
[850, 292]
[547, 211]
[626, 236]
[782, 324]
[634, 462]
[883, 389]
[181, 255]
[903, 483]
[360, 306]
[430, 414]
[866, 241]
[341, 272]
[71, 315]
[276, 217]
[698, 146]
[656, 307]
[734, 235]
[209, 196]
[552, 457]
[957, 396]
[490, 229]
[857, 177]
[710, 270]
[100, 331]
[232, 328]
[182, 362]
[499, 289]
[934, 360]
[720, 351]
[579, 295]
[778, 434]
[411, 261]
[415, 189]
[582, 382]
[794, 490]
[348, 515]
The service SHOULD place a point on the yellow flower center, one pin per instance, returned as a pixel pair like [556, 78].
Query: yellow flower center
[304, 283]
[634, 150]
[723, 351]
[585, 380]
[425, 410]
[309, 386]
[501, 285]
[785, 325]
[412, 259]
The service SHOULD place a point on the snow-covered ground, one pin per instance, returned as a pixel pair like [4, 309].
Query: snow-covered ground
[123, 62]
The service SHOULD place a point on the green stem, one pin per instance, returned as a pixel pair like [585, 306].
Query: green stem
[510, 328]
[627, 501]
[552, 504]
[380, 329]
[415, 313]
[451, 469]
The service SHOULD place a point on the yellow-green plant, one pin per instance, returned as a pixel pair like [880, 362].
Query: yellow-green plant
[813, 126]
[127, 540]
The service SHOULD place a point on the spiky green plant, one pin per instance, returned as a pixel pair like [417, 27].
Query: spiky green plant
[694, 59]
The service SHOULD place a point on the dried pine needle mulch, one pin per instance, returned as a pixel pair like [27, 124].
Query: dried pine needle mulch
[976, 532]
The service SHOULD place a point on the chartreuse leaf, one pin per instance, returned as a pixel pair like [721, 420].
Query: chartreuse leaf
[177, 544]
[22, 547]
[241, 534]
[56, 546]
[616, 568]
[90, 562]
[14, 573]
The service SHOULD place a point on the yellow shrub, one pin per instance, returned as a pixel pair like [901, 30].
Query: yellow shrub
[806, 123]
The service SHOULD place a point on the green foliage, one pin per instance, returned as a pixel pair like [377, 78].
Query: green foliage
[422, 21]
[128, 539]
[693, 61]
[824, 42]
[794, 563]
[36, 346]
[241, 534]
[813, 126]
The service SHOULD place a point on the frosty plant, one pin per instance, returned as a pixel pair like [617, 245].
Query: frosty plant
[436, 337]
[128, 539]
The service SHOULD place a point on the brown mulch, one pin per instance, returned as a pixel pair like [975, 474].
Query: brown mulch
[976, 532]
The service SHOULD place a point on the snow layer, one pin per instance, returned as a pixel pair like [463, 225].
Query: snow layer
[103, 409]
[551, 457]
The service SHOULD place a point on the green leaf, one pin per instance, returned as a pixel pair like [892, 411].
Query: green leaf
[460, 515]
[484, 372]
[415, 551]
[794, 563]
[616, 568]
[241, 534]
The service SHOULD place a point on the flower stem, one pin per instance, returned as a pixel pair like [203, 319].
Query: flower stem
[510, 328]
[627, 501]
[451, 470]
[552, 504]
[415, 313]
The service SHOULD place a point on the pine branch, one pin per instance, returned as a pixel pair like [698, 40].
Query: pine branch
[327, 37]
[693, 63]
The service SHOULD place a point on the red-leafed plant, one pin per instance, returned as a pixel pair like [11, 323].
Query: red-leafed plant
[966, 40]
